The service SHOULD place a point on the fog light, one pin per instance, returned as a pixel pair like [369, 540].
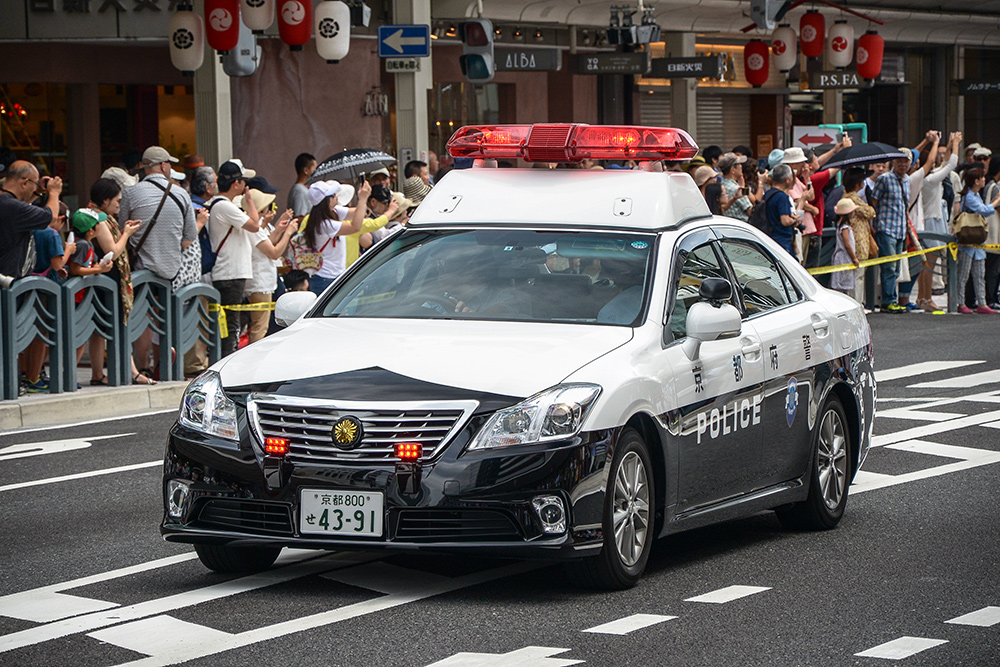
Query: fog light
[551, 513]
[177, 497]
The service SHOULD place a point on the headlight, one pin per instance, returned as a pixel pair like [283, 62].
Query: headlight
[553, 414]
[205, 407]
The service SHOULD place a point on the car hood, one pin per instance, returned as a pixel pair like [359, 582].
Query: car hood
[506, 358]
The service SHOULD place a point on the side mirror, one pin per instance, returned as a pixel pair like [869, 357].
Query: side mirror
[711, 320]
[291, 306]
[716, 290]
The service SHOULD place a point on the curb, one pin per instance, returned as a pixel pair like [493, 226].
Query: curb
[87, 404]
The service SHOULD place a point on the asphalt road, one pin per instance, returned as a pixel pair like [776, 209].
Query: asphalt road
[88, 581]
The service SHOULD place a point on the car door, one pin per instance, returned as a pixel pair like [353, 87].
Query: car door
[718, 394]
[795, 334]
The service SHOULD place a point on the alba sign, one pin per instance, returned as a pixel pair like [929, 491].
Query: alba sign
[526, 60]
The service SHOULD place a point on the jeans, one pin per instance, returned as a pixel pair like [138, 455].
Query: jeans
[317, 284]
[230, 294]
[889, 271]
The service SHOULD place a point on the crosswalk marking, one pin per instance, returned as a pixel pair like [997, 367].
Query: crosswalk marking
[157, 635]
[901, 648]
[49, 606]
[986, 617]
[961, 382]
[623, 626]
[922, 368]
[728, 594]
[968, 458]
[935, 428]
[917, 415]
[529, 656]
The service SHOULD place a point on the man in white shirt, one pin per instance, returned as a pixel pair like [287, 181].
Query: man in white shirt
[233, 234]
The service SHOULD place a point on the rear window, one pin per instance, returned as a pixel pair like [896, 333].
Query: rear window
[500, 274]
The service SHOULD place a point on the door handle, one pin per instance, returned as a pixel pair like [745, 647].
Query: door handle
[820, 325]
[751, 349]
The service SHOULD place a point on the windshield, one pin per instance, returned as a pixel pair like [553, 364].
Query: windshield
[500, 274]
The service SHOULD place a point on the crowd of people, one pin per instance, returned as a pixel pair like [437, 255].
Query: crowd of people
[188, 222]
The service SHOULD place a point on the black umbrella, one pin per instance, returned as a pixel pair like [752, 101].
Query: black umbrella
[873, 151]
[348, 165]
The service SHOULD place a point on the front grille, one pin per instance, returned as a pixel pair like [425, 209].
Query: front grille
[246, 516]
[308, 427]
[455, 526]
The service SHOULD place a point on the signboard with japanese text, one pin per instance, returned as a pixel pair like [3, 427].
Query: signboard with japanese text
[526, 60]
[396, 65]
[90, 19]
[681, 68]
[613, 63]
[978, 86]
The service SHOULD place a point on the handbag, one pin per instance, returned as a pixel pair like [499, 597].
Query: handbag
[970, 228]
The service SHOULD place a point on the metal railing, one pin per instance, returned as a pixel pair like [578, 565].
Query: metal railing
[65, 316]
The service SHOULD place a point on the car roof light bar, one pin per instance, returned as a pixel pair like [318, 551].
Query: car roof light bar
[571, 142]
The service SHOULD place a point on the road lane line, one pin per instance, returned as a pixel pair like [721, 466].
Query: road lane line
[922, 368]
[180, 653]
[81, 475]
[35, 429]
[969, 458]
[158, 634]
[934, 429]
[728, 594]
[623, 626]
[986, 617]
[961, 382]
[52, 446]
[901, 648]
[529, 656]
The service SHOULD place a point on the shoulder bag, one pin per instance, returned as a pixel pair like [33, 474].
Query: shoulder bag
[133, 252]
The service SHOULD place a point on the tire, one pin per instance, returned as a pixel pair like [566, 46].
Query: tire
[629, 512]
[829, 475]
[236, 559]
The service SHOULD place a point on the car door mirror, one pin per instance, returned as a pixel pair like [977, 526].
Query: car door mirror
[711, 319]
[291, 306]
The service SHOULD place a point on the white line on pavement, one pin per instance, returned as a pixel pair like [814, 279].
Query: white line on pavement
[984, 618]
[52, 446]
[901, 648]
[969, 458]
[912, 370]
[728, 594]
[80, 475]
[961, 382]
[623, 626]
[529, 656]
[34, 429]
[935, 428]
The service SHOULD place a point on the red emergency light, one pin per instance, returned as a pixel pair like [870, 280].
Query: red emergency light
[277, 446]
[409, 451]
[571, 142]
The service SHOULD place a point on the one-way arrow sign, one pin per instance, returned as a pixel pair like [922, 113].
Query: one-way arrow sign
[404, 41]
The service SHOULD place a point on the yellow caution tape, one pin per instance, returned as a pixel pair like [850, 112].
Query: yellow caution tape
[224, 324]
[951, 247]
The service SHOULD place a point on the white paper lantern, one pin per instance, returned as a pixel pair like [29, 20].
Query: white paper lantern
[187, 40]
[784, 47]
[258, 15]
[333, 30]
[840, 45]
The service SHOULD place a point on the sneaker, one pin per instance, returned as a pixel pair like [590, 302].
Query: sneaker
[909, 305]
[965, 310]
[39, 386]
[986, 310]
[894, 308]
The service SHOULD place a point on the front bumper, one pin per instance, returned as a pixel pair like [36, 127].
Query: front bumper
[460, 501]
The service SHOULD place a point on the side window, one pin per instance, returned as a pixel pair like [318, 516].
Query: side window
[761, 281]
[700, 263]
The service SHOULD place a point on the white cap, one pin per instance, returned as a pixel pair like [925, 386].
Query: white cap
[320, 190]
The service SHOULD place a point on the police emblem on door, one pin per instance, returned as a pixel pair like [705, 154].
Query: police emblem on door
[347, 433]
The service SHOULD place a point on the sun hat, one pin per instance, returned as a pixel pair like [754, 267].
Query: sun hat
[775, 157]
[793, 155]
[320, 190]
[85, 219]
[728, 160]
[415, 189]
[703, 175]
[155, 155]
[261, 200]
[193, 161]
[845, 206]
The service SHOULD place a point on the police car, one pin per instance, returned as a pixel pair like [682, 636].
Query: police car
[545, 363]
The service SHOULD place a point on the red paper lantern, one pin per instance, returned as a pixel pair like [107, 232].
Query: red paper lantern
[756, 62]
[222, 24]
[295, 22]
[871, 46]
[812, 32]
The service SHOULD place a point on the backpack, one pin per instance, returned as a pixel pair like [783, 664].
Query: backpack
[208, 256]
[304, 258]
[758, 214]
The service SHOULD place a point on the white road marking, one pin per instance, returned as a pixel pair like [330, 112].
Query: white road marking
[986, 617]
[49, 606]
[728, 594]
[935, 428]
[968, 458]
[158, 634]
[529, 656]
[80, 475]
[35, 429]
[961, 382]
[923, 367]
[917, 415]
[901, 648]
[52, 446]
[197, 650]
[995, 424]
[623, 626]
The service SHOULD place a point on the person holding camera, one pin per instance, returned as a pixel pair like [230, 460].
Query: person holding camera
[734, 185]
[19, 219]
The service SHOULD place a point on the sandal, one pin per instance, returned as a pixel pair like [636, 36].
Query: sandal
[142, 379]
[98, 383]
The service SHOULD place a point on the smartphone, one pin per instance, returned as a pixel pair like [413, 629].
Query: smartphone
[273, 207]
[107, 257]
[840, 137]
[361, 179]
[744, 191]
[71, 238]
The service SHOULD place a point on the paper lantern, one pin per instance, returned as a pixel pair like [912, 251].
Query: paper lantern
[258, 15]
[812, 32]
[222, 24]
[840, 45]
[187, 40]
[784, 47]
[755, 62]
[333, 30]
[295, 22]
[871, 46]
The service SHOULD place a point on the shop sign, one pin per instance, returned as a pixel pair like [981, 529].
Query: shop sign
[978, 86]
[85, 6]
[397, 65]
[526, 60]
[686, 68]
[85, 19]
[613, 63]
[836, 80]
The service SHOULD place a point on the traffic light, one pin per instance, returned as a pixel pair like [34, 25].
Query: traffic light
[477, 50]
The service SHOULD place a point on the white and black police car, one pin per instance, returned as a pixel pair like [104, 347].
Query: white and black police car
[544, 363]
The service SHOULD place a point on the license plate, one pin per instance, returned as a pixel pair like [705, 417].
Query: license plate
[347, 513]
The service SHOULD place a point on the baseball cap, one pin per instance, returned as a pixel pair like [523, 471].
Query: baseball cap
[379, 172]
[381, 194]
[728, 160]
[982, 151]
[177, 175]
[972, 147]
[775, 157]
[703, 175]
[907, 152]
[122, 177]
[320, 190]
[234, 167]
[85, 219]
[156, 155]
[793, 155]
[260, 183]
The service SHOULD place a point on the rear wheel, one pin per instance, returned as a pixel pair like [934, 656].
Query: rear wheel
[628, 520]
[236, 559]
[829, 474]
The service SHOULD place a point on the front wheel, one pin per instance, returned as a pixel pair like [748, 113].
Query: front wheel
[628, 520]
[236, 559]
[829, 475]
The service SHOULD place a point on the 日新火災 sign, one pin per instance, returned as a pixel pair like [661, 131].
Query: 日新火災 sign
[613, 63]
[526, 60]
[681, 68]
[845, 79]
